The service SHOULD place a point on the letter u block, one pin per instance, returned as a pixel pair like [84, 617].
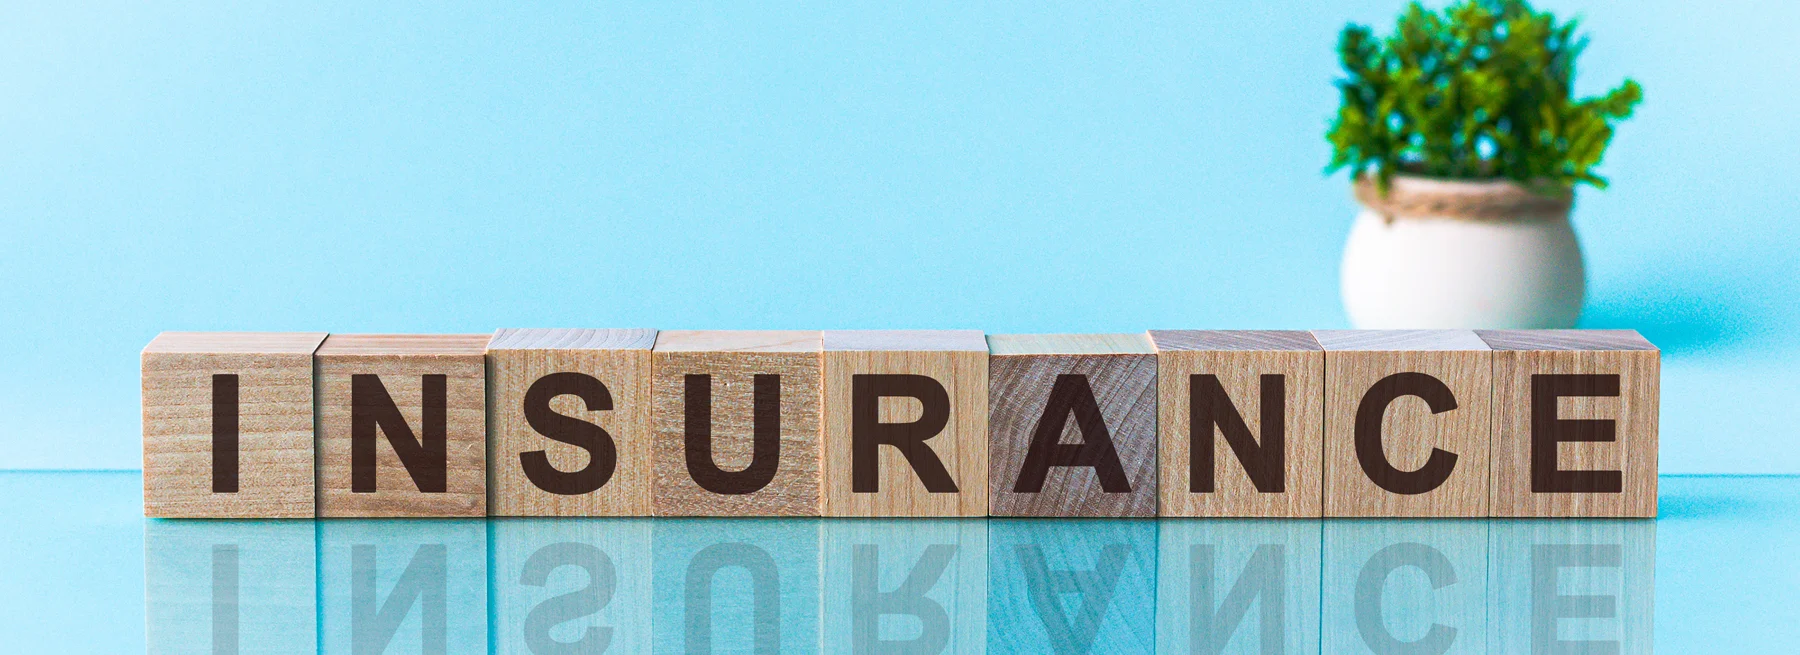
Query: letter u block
[228, 424]
[402, 425]
[737, 422]
[1406, 422]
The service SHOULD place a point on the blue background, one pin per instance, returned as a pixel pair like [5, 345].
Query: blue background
[1010, 167]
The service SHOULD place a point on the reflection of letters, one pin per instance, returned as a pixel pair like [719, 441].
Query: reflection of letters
[224, 599]
[869, 602]
[765, 585]
[423, 582]
[1264, 576]
[1547, 605]
[1043, 586]
[602, 579]
[1370, 619]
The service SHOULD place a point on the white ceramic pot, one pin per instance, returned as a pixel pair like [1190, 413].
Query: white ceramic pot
[1457, 254]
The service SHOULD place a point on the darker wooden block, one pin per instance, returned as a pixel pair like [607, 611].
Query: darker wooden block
[1254, 402]
[916, 402]
[1575, 423]
[402, 425]
[1406, 422]
[737, 423]
[569, 422]
[228, 424]
[1072, 425]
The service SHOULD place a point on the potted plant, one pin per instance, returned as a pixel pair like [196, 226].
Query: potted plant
[1464, 145]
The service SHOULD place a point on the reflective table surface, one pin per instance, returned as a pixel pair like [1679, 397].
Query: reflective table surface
[1718, 572]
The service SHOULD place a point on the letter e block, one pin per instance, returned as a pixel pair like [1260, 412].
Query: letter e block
[1575, 423]
[228, 424]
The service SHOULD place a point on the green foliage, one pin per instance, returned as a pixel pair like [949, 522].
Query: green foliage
[1478, 91]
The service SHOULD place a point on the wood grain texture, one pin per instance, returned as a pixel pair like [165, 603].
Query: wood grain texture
[733, 359]
[1023, 370]
[401, 363]
[955, 359]
[1355, 360]
[1519, 355]
[620, 360]
[275, 424]
[1239, 360]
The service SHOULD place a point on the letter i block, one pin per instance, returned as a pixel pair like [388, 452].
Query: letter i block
[228, 424]
[402, 425]
[1406, 422]
[905, 423]
[571, 422]
[1072, 425]
[1241, 417]
[736, 423]
[1575, 430]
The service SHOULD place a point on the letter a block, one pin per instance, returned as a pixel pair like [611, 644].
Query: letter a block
[905, 423]
[571, 422]
[1406, 422]
[1072, 425]
[737, 423]
[402, 425]
[228, 424]
[1575, 430]
[1241, 418]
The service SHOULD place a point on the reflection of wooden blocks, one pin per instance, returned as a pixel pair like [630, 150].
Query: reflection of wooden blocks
[402, 425]
[905, 423]
[598, 572]
[1406, 422]
[228, 424]
[570, 422]
[737, 423]
[376, 576]
[230, 587]
[1241, 586]
[1575, 429]
[1407, 586]
[1254, 403]
[1072, 425]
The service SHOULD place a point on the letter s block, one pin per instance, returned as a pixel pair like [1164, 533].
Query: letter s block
[571, 422]
[228, 424]
[402, 425]
[1406, 422]
[1575, 423]
[737, 422]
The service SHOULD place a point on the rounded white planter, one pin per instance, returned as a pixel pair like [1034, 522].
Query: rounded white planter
[1458, 254]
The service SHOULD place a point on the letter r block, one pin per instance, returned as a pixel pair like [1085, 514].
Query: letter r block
[736, 423]
[1406, 422]
[228, 424]
[1241, 419]
[402, 425]
[905, 423]
[1575, 425]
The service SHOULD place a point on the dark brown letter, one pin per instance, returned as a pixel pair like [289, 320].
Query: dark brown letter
[1072, 395]
[765, 452]
[1209, 406]
[1547, 431]
[867, 432]
[372, 411]
[225, 434]
[602, 456]
[1368, 433]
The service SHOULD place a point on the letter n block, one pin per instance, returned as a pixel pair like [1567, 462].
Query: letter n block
[1242, 420]
[1406, 422]
[905, 423]
[1072, 425]
[571, 422]
[1575, 423]
[228, 424]
[737, 422]
[402, 425]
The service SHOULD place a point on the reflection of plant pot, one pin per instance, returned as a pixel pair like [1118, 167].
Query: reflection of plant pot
[1434, 253]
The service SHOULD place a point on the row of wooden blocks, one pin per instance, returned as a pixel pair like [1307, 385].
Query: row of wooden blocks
[632, 422]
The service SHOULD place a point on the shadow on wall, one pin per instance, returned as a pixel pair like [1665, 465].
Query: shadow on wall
[1686, 312]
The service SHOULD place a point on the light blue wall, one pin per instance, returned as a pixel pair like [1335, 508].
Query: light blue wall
[1084, 167]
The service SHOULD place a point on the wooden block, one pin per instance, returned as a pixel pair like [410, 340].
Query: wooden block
[737, 423]
[402, 425]
[905, 423]
[1575, 423]
[1406, 422]
[228, 424]
[1072, 425]
[569, 422]
[1255, 401]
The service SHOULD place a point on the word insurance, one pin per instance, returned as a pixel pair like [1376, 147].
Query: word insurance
[902, 423]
